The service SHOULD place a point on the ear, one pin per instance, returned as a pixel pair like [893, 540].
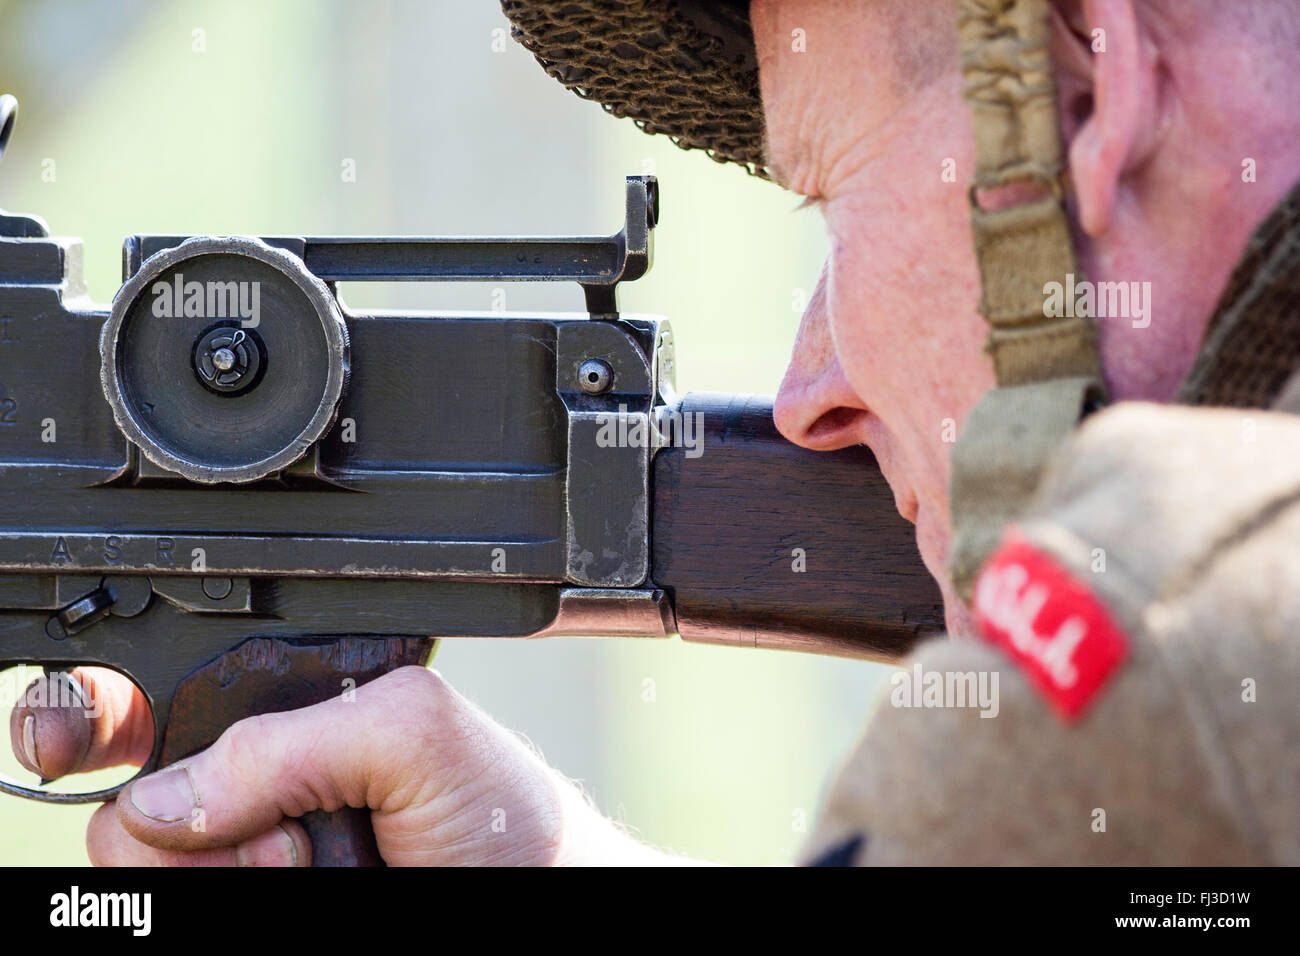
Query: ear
[1108, 103]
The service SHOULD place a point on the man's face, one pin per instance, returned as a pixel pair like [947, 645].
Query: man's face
[890, 352]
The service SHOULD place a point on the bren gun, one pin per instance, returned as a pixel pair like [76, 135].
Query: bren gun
[247, 497]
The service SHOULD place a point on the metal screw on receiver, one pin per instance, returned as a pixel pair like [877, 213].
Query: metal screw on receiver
[218, 589]
[595, 377]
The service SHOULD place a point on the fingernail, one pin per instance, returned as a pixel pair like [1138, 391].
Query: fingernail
[167, 796]
[273, 848]
[29, 741]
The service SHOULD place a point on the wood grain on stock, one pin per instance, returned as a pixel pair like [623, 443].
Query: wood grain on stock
[268, 675]
[726, 525]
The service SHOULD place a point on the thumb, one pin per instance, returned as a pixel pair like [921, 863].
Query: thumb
[341, 752]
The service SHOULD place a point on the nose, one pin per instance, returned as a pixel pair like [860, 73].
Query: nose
[815, 406]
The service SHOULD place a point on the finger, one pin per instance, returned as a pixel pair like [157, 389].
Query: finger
[343, 752]
[109, 844]
[48, 728]
[87, 719]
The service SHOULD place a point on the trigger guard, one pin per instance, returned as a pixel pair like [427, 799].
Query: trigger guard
[41, 796]
[94, 796]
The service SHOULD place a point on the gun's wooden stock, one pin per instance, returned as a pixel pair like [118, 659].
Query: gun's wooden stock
[765, 544]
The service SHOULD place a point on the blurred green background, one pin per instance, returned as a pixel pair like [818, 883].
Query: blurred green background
[239, 117]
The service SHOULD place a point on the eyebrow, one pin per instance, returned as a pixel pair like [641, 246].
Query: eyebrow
[777, 176]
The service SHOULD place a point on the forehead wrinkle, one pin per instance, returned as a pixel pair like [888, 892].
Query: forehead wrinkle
[796, 117]
[860, 152]
[837, 105]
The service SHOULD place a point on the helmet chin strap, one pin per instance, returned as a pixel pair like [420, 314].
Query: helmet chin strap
[1047, 367]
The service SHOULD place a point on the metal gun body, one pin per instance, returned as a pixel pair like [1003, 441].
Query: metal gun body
[162, 512]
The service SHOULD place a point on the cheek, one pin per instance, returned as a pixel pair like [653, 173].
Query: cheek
[903, 299]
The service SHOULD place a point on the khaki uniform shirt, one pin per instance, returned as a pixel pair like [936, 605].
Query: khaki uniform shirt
[1141, 629]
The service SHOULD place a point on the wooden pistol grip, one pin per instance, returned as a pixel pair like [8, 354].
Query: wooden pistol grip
[342, 837]
[265, 675]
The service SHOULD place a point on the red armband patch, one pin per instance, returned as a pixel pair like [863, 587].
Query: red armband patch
[1056, 628]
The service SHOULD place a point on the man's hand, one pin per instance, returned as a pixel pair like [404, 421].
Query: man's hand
[446, 784]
